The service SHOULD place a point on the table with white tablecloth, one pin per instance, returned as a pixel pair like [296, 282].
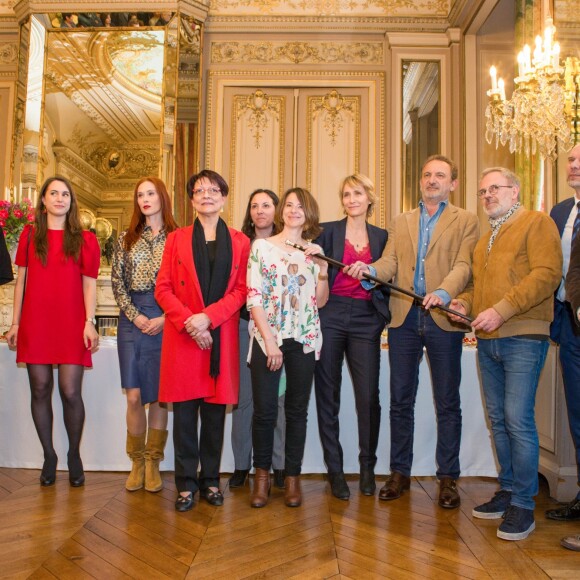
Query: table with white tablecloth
[103, 443]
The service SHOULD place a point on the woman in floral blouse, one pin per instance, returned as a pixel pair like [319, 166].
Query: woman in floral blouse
[285, 289]
[136, 262]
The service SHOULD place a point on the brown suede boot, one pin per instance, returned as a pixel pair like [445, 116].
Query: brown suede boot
[135, 451]
[292, 493]
[261, 490]
[156, 439]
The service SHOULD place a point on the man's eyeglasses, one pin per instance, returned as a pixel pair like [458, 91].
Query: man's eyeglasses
[492, 189]
[211, 190]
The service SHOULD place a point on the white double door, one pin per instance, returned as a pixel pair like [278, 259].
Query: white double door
[282, 137]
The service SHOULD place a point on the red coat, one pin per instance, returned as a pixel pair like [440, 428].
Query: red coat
[184, 366]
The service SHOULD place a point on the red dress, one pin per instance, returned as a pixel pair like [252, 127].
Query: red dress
[53, 310]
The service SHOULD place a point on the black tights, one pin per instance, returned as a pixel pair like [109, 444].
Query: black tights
[70, 379]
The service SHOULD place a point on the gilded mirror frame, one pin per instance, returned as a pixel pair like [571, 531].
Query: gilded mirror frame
[439, 50]
[420, 123]
[179, 106]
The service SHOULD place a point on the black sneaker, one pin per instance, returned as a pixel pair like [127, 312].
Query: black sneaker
[518, 524]
[495, 507]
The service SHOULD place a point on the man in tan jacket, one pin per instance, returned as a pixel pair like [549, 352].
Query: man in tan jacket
[516, 268]
[429, 253]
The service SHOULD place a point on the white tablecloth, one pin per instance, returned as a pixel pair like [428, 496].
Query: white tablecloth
[103, 444]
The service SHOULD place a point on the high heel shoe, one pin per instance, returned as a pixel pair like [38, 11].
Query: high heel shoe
[76, 474]
[48, 473]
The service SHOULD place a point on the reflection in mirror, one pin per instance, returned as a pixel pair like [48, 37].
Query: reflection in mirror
[101, 106]
[420, 124]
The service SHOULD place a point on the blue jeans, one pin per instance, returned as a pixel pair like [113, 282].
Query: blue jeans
[444, 349]
[510, 370]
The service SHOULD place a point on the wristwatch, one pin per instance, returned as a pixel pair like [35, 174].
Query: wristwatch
[93, 320]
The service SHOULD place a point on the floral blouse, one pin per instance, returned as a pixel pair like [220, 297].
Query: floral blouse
[136, 270]
[284, 285]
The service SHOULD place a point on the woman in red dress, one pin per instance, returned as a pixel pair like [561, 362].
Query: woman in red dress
[54, 317]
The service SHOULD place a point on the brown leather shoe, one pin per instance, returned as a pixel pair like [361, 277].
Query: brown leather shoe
[261, 490]
[448, 494]
[292, 491]
[395, 485]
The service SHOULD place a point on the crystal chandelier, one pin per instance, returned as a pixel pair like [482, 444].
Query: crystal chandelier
[543, 110]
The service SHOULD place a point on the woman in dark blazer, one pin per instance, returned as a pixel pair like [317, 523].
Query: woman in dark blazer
[352, 322]
[5, 262]
[201, 287]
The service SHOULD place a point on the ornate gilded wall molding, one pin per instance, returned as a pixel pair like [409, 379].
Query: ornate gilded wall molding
[330, 7]
[324, 24]
[331, 106]
[297, 52]
[9, 53]
[260, 106]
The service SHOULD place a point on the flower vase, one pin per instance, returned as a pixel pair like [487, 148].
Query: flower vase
[12, 251]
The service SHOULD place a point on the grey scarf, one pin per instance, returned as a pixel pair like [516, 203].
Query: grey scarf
[498, 222]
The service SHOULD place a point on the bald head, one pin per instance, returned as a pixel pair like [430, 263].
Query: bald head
[573, 169]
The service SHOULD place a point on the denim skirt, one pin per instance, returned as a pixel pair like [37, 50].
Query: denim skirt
[140, 354]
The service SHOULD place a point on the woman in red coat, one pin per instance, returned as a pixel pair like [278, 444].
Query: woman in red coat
[201, 287]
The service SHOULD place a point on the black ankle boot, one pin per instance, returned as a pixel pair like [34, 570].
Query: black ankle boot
[76, 474]
[48, 474]
[238, 478]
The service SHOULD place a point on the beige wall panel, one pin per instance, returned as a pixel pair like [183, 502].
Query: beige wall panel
[329, 137]
[257, 144]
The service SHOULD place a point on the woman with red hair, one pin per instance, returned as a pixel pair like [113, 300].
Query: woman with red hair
[136, 262]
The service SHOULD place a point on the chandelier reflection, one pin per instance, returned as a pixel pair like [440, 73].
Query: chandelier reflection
[542, 114]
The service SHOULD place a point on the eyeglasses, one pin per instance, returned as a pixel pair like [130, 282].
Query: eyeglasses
[210, 190]
[492, 189]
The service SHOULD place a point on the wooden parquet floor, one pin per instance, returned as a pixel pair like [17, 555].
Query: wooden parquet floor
[103, 531]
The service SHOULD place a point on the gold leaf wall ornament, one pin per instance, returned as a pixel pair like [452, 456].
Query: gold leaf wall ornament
[330, 7]
[8, 53]
[331, 106]
[351, 53]
[259, 105]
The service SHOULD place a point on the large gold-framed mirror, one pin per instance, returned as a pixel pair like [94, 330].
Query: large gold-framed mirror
[421, 123]
[107, 105]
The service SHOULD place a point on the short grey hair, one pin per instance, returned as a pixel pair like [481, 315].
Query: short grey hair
[507, 173]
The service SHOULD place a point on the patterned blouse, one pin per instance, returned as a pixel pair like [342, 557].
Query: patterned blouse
[284, 285]
[136, 270]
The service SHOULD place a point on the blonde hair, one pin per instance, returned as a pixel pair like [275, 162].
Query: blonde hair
[360, 180]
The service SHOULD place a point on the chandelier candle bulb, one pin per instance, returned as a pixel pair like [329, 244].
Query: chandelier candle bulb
[538, 58]
[556, 57]
[521, 64]
[493, 74]
[527, 59]
[501, 88]
[548, 40]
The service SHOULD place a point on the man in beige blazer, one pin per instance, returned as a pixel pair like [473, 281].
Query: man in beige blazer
[428, 252]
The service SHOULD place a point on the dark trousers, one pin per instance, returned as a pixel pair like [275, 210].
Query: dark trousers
[189, 453]
[353, 328]
[444, 354]
[299, 369]
[567, 335]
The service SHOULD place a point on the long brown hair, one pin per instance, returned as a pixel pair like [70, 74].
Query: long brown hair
[247, 225]
[309, 205]
[73, 230]
[138, 220]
